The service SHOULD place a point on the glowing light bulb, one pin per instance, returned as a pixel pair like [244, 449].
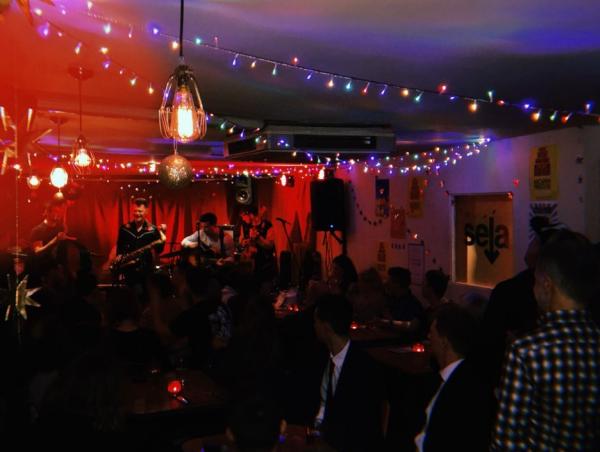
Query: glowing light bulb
[174, 45]
[490, 94]
[535, 116]
[59, 177]
[107, 29]
[235, 59]
[184, 121]
[295, 61]
[418, 97]
[274, 71]
[553, 116]
[405, 92]
[365, 90]
[383, 91]
[150, 89]
[349, 85]
[77, 49]
[103, 50]
[33, 182]
[473, 107]
[330, 83]
[309, 76]
[283, 180]
[198, 41]
[442, 88]
[82, 159]
[253, 64]
[321, 175]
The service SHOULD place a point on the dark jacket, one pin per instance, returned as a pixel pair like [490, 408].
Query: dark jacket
[462, 415]
[353, 422]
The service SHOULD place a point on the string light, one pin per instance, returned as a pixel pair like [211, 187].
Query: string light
[365, 90]
[235, 58]
[348, 86]
[473, 107]
[253, 64]
[77, 49]
[383, 91]
[535, 116]
[150, 90]
[330, 83]
[441, 89]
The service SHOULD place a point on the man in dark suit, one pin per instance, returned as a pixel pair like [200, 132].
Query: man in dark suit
[460, 414]
[350, 413]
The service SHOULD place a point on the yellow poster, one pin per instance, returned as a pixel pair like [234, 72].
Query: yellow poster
[543, 173]
[416, 187]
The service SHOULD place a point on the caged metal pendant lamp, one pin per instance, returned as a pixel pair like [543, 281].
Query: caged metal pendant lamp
[181, 115]
[82, 157]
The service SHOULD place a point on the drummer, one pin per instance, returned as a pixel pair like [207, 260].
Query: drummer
[51, 231]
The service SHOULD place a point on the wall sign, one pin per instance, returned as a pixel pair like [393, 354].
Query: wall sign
[483, 245]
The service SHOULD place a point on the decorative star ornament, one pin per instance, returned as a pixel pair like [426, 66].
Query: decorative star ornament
[22, 299]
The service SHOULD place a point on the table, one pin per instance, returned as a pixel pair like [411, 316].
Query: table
[402, 359]
[150, 397]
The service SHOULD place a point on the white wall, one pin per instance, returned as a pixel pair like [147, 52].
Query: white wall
[494, 170]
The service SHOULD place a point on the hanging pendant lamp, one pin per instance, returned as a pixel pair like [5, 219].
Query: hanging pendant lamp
[59, 176]
[181, 115]
[82, 157]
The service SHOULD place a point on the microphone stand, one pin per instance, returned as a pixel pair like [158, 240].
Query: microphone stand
[290, 245]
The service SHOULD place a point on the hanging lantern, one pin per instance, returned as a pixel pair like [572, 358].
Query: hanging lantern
[175, 171]
[81, 157]
[59, 177]
[181, 114]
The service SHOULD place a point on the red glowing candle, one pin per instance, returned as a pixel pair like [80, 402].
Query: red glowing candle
[174, 387]
[354, 325]
[418, 348]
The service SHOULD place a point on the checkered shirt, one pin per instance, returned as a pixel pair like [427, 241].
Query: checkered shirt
[550, 394]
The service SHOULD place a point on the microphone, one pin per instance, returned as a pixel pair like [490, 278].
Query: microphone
[282, 220]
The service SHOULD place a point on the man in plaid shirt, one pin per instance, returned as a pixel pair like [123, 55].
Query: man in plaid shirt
[550, 395]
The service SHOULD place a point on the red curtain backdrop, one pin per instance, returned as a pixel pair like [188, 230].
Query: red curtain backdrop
[100, 207]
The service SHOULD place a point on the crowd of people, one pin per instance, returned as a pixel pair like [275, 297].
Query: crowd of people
[521, 372]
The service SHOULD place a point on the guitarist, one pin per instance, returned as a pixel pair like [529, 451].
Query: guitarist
[210, 240]
[134, 235]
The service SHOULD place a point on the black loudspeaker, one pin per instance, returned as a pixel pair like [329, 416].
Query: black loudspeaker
[327, 205]
[243, 190]
[285, 270]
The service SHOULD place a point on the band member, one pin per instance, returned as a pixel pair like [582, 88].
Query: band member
[210, 239]
[258, 240]
[133, 237]
[50, 231]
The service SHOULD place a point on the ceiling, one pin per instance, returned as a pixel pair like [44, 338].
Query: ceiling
[544, 52]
